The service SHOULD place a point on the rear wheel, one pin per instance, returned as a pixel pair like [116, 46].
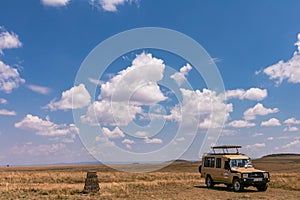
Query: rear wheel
[262, 187]
[209, 182]
[237, 185]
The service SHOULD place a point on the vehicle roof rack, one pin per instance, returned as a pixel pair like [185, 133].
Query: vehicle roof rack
[226, 147]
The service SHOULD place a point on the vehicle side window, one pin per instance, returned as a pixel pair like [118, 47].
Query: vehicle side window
[218, 162]
[209, 162]
[212, 162]
[206, 162]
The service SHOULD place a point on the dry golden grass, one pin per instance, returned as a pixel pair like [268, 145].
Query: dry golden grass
[179, 180]
[68, 185]
[288, 181]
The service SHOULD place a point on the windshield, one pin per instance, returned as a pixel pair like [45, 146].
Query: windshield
[240, 163]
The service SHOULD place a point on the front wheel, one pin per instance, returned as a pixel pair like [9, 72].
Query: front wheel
[262, 187]
[237, 185]
[209, 182]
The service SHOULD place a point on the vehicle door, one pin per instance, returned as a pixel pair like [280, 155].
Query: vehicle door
[225, 172]
[218, 170]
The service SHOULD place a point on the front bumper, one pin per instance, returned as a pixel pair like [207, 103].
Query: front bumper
[255, 181]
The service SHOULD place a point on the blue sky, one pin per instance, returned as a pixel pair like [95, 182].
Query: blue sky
[255, 46]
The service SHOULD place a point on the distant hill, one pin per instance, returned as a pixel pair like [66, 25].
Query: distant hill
[281, 155]
[180, 160]
[282, 162]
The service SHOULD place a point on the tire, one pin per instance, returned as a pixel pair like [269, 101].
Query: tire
[209, 182]
[237, 185]
[262, 187]
[199, 169]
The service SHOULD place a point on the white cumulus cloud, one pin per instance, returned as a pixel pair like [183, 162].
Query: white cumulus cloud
[115, 133]
[298, 42]
[128, 143]
[104, 142]
[241, 124]
[95, 81]
[9, 78]
[256, 94]
[39, 89]
[180, 76]
[271, 122]
[55, 3]
[110, 5]
[258, 109]
[289, 70]
[291, 129]
[291, 144]
[7, 112]
[137, 83]
[74, 98]
[107, 5]
[9, 40]
[45, 127]
[226, 132]
[257, 145]
[270, 138]
[153, 140]
[39, 150]
[292, 121]
[141, 133]
[180, 139]
[205, 108]
[3, 101]
[257, 134]
[110, 113]
[123, 96]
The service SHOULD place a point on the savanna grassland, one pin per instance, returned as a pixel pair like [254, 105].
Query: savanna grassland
[179, 180]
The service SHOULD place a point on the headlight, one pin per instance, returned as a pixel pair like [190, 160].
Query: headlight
[245, 175]
[266, 175]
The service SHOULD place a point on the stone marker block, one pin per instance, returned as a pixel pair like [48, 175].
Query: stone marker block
[91, 183]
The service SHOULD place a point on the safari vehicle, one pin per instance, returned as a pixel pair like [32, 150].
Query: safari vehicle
[232, 169]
